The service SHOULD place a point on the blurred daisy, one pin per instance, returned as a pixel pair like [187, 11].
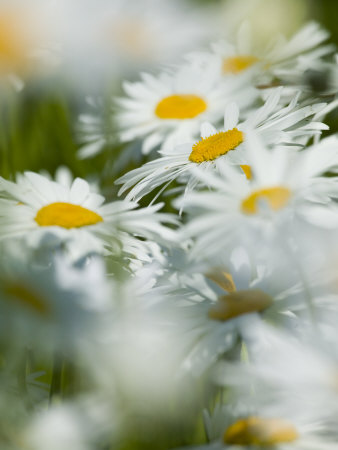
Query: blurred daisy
[289, 125]
[81, 424]
[216, 312]
[285, 186]
[26, 40]
[274, 426]
[264, 64]
[95, 129]
[304, 364]
[318, 79]
[168, 109]
[56, 307]
[111, 38]
[36, 206]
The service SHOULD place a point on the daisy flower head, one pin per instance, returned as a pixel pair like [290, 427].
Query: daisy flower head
[95, 128]
[169, 108]
[81, 423]
[318, 79]
[292, 124]
[276, 426]
[38, 208]
[26, 40]
[96, 131]
[58, 307]
[216, 310]
[264, 64]
[304, 364]
[286, 185]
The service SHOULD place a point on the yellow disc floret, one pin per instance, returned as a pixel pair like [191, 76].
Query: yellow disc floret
[276, 197]
[180, 107]
[66, 215]
[238, 303]
[261, 432]
[210, 148]
[236, 64]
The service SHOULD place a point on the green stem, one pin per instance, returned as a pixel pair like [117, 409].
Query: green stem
[56, 385]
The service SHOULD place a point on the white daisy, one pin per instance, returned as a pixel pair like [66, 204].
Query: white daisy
[94, 129]
[37, 207]
[81, 424]
[318, 78]
[265, 64]
[213, 313]
[59, 307]
[168, 109]
[304, 364]
[287, 188]
[27, 44]
[289, 125]
[274, 426]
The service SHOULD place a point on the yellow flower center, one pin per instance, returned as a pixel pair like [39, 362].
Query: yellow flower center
[237, 303]
[236, 64]
[16, 38]
[180, 107]
[247, 170]
[260, 432]
[276, 197]
[66, 215]
[24, 296]
[210, 148]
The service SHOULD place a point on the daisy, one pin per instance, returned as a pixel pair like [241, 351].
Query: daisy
[304, 364]
[82, 423]
[36, 207]
[287, 188]
[55, 307]
[316, 79]
[277, 426]
[112, 39]
[263, 65]
[95, 131]
[26, 40]
[168, 109]
[292, 125]
[212, 313]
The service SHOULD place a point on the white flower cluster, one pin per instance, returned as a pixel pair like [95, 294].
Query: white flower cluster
[112, 311]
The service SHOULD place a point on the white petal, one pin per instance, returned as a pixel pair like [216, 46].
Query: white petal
[79, 191]
[231, 116]
[244, 39]
[207, 130]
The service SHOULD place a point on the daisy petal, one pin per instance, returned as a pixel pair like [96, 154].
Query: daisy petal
[231, 116]
[207, 130]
